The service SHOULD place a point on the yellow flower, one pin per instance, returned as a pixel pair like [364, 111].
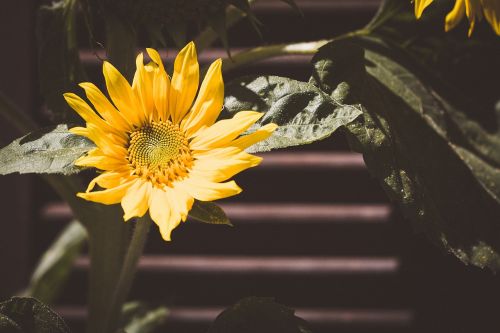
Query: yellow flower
[157, 149]
[474, 9]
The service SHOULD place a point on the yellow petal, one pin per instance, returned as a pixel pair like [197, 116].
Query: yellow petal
[160, 94]
[108, 197]
[85, 111]
[474, 12]
[97, 159]
[169, 206]
[224, 131]
[455, 15]
[136, 201]
[122, 95]
[155, 56]
[142, 85]
[204, 190]
[109, 143]
[209, 101]
[184, 83]
[105, 108]
[218, 169]
[109, 179]
[160, 211]
[492, 13]
[261, 134]
[161, 86]
[420, 6]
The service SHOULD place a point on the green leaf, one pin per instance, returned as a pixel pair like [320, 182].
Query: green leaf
[258, 315]
[56, 263]
[59, 66]
[140, 319]
[409, 139]
[303, 112]
[7, 325]
[49, 150]
[28, 315]
[208, 212]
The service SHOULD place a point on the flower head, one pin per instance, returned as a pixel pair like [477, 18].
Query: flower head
[158, 144]
[473, 9]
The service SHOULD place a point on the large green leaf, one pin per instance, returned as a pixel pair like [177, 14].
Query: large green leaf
[55, 265]
[303, 112]
[49, 150]
[408, 138]
[28, 315]
[258, 315]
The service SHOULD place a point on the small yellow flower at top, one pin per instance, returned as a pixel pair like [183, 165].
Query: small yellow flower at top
[474, 9]
[159, 145]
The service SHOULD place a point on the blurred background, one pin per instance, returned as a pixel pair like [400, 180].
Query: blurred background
[312, 228]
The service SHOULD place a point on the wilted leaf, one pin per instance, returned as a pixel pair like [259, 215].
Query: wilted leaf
[28, 315]
[258, 315]
[49, 150]
[56, 263]
[303, 112]
[208, 212]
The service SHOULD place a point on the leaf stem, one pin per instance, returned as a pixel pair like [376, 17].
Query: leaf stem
[271, 51]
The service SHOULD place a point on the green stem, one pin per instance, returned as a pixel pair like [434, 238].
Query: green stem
[134, 252]
[271, 51]
[109, 238]
[121, 45]
[266, 52]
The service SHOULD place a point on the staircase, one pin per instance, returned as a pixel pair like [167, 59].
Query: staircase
[312, 228]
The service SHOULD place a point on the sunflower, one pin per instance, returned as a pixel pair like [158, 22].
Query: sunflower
[158, 144]
[474, 9]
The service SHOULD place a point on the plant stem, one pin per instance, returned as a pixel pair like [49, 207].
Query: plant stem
[121, 44]
[271, 51]
[110, 238]
[129, 267]
[266, 52]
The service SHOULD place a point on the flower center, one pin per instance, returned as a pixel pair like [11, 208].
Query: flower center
[160, 152]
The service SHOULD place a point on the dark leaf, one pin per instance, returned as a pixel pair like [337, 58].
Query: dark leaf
[303, 112]
[55, 265]
[244, 6]
[28, 315]
[59, 67]
[208, 212]
[258, 315]
[407, 136]
[49, 150]
[217, 21]
[177, 30]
